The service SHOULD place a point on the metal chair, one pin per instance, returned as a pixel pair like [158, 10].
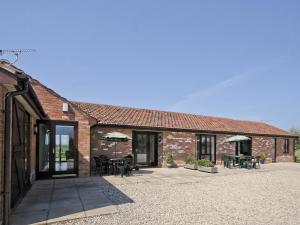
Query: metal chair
[101, 164]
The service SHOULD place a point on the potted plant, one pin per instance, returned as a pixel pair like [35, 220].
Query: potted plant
[190, 163]
[169, 160]
[205, 165]
[262, 158]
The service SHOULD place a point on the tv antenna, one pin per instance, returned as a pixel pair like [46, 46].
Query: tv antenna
[15, 52]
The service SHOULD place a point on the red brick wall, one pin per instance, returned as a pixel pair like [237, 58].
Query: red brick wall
[179, 144]
[223, 147]
[280, 155]
[182, 144]
[52, 105]
[262, 145]
[102, 147]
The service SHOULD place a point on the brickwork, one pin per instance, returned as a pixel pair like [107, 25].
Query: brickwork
[182, 144]
[52, 105]
[223, 147]
[280, 155]
[108, 148]
[262, 145]
[179, 144]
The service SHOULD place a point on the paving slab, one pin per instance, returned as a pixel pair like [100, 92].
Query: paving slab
[64, 199]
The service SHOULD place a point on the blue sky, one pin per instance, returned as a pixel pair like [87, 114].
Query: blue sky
[237, 59]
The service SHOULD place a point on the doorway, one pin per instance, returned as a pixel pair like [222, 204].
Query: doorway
[145, 148]
[274, 149]
[243, 147]
[57, 149]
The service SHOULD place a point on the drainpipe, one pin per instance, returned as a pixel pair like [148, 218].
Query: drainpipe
[7, 143]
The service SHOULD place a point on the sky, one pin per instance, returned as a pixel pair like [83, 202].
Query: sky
[236, 59]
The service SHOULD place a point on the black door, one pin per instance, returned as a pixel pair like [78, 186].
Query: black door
[243, 147]
[145, 147]
[57, 149]
[274, 150]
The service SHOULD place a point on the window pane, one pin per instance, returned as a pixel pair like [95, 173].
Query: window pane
[213, 150]
[44, 141]
[203, 145]
[208, 146]
[141, 148]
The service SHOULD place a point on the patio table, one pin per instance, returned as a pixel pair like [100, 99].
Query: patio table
[233, 159]
[115, 163]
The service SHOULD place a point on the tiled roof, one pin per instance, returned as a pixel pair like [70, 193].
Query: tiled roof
[145, 118]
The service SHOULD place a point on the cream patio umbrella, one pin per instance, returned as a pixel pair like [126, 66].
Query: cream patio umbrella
[237, 138]
[116, 137]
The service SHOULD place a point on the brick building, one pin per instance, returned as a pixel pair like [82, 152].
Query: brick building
[20, 112]
[155, 133]
[44, 135]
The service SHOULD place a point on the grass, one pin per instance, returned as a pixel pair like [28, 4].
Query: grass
[297, 155]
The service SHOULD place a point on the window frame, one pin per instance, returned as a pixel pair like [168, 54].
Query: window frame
[212, 146]
[286, 145]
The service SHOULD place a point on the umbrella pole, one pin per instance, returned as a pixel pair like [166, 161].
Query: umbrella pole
[115, 149]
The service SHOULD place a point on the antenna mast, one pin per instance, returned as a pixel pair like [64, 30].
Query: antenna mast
[15, 52]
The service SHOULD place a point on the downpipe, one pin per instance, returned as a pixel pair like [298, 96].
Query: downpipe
[7, 146]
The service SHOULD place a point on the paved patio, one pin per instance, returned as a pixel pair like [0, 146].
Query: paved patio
[50, 201]
[270, 195]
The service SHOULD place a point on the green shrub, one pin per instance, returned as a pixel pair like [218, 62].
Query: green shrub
[169, 158]
[205, 163]
[190, 160]
[263, 156]
[297, 155]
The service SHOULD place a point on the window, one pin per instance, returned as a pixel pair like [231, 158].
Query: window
[286, 146]
[206, 147]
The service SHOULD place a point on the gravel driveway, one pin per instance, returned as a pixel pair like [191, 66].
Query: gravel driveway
[270, 195]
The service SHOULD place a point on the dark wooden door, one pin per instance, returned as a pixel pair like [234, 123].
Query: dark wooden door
[20, 181]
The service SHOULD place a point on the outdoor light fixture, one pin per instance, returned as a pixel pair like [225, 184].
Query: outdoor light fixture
[65, 107]
[160, 138]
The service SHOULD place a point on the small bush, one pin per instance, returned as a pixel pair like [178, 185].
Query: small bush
[205, 163]
[263, 156]
[190, 160]
[169, 158]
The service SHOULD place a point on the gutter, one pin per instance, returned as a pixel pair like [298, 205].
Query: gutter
[7, 142]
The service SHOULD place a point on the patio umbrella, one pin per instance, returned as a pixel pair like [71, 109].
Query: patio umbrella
[116, 137]
[237, 138]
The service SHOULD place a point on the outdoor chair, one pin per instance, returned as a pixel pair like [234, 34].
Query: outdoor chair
[255, 162]
[100, 166]
[225, 160]
[125, 166]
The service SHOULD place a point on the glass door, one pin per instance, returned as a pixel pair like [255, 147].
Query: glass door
[273, 149]
[145, 149]
[64, 149]
[57, 149]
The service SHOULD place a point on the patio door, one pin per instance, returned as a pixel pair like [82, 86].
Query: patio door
[57, 149]
[145, 146]
[274, 150]
[243, 147]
